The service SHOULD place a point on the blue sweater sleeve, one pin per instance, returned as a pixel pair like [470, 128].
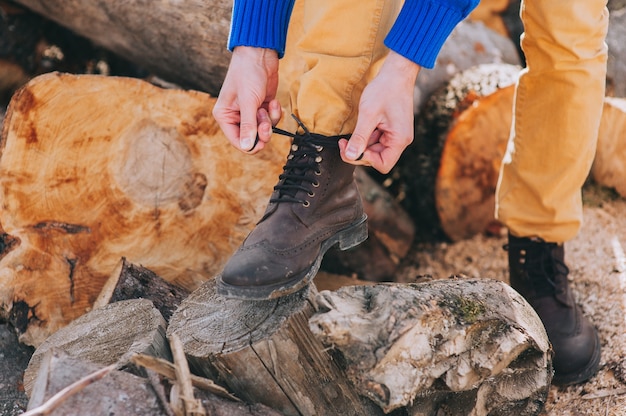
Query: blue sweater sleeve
[260, 23]
[424, 25]
[418, 33]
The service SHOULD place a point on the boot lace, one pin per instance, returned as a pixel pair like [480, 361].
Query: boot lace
[304, 158]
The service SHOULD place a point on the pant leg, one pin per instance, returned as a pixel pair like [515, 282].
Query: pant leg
[334, 47]
[557, 113]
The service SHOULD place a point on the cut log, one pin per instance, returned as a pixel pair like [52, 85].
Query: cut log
[264, 352]
[183, 41]
[108, 335]
[102, 397]
[446, 180]
[467, 346]
[470, 162]
[98, 168]
[118, 392]
[130, 281]
[609, 165]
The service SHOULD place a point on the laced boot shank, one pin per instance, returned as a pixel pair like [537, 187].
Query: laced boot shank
[538, 272]
[315, 205]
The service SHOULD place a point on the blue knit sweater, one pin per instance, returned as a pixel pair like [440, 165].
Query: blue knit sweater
[417, 34]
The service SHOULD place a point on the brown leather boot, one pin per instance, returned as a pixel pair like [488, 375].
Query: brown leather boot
[315, 205]
[538, 272]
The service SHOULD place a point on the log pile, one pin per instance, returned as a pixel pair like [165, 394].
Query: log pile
[121, 200]
[455, 346]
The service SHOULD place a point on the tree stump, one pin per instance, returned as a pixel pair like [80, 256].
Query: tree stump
[264, 352]
[609, 165]
[107, 335]
[454, 346]
[446, 179]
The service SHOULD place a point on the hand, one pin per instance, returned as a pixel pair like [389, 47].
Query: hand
[247, 108]
[384, 127]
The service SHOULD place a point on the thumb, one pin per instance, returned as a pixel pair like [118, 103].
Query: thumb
[248, 128]
[359, 140]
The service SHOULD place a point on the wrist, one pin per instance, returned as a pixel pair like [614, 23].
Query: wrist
[255, 53]
[403, 67]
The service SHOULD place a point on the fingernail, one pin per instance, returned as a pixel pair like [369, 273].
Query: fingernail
[351, 152]
[246, 143]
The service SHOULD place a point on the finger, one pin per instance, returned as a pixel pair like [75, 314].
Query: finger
[228, 122]
[383, 159]
[264, 128]
[275, 111]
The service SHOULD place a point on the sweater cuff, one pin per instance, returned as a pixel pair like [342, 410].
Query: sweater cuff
[260, 23]
[423, 26]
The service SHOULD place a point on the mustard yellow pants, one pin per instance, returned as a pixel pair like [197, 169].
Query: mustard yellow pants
[557, 112]
[334, 48]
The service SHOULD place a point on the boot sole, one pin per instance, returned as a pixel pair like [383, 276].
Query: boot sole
[347, 238]
[585, 373]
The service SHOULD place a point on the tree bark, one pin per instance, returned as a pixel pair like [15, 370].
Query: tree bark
[265, 353]
[181, 41]
[129, 281]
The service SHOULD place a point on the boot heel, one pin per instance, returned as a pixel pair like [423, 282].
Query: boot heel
[354, 235]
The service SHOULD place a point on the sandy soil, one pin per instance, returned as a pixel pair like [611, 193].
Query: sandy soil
[597, 262]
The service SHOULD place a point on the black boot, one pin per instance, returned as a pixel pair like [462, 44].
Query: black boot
[538, 272]
[315, 205]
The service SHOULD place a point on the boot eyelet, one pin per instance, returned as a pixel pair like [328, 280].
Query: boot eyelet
[318, 159]
[311, 194]
[318, 172]
[316, 184]
[306, 204]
